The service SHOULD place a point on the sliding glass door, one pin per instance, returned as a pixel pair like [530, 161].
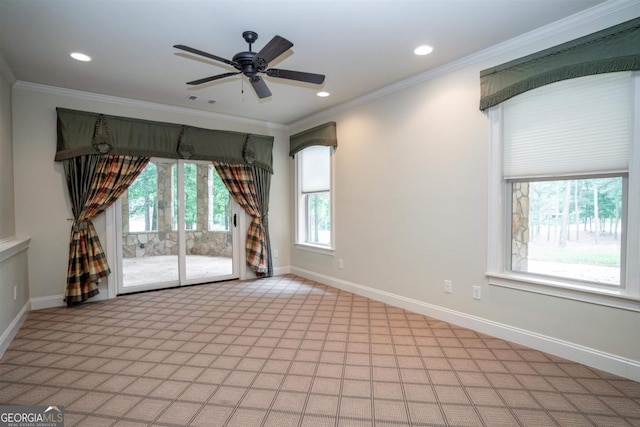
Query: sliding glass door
[177, 226]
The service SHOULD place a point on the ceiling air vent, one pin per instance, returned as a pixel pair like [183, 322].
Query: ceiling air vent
[200, 100]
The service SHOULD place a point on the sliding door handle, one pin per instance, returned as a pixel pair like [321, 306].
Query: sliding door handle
[235, 222]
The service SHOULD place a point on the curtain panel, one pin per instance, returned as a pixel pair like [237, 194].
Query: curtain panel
[94, 183]
[83, 133]
[241, 182]
[103, 155]
[262, 180]
[611, 50]
[320, 135]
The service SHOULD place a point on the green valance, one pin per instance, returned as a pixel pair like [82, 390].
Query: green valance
[611, 50]
[81, 133]
[320, 135]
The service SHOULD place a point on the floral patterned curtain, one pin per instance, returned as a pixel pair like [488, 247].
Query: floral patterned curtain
[94, 182]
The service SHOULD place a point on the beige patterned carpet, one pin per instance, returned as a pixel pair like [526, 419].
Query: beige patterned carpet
[289, 352]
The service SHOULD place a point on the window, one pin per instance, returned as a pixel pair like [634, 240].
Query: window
[142, 196]
[190, 196]
[219, 218]
[565, 190]
[568, 228]
[314, 197]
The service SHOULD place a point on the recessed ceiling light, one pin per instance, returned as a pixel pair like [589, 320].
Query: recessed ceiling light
[80, 57]
[423, 50]
[323, 94]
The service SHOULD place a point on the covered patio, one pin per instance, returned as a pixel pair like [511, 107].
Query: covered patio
[164, 268]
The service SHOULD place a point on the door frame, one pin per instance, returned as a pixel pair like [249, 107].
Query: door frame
[113, 244]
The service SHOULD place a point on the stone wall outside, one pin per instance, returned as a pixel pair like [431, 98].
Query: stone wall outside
[153, 243]
[520, 227]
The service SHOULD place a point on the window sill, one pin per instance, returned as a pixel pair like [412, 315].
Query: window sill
[324, 250]
[12, 246]
[577, 292]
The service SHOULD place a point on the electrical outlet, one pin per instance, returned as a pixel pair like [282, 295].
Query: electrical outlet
[15, 292]
[448, 286]
[276, 253]
[340, 263]
[477, 292]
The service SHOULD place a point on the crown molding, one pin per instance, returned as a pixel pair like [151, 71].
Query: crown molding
[5, 70]
[90, 96]
[615, 11]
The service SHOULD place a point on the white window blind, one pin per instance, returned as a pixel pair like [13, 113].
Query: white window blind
[572, 127]
[315, 169]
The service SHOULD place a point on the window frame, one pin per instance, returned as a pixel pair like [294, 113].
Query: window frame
[301, 212]
[627, 295]
[211, 177]
[561, 279]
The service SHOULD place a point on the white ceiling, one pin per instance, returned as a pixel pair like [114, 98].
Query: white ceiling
[361, 46]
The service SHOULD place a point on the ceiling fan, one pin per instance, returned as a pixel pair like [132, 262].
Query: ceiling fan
[251, 63]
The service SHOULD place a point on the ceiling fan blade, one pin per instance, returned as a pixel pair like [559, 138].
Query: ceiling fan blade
[276, 47]
[296, 75]
[205, 54]
[212, 78]
[260, 87]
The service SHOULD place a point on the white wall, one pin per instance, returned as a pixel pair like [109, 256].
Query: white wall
[13, 251]
[411, 210]
[42, 202]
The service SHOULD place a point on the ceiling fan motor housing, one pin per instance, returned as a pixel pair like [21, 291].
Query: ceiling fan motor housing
[248, 63]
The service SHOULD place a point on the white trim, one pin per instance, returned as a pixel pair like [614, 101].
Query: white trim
[47, 302]
[281, 271]
[239, 244]
[108, 99]
[13, 246]
[323, 250]
[608, 298]
[608, 362]
[237, 210]
[495, 230]
[10, 333]
[632, 280]
[180, 222]
[111, 246]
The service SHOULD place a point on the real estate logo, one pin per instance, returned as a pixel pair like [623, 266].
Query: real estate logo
[31, 416]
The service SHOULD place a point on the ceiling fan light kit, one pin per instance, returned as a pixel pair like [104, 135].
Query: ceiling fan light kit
[250, 63]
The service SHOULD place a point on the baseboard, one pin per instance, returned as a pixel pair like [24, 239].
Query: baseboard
[607, 362]
[47, 302]
[9, 334]
[58, 300]
[281, 271]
